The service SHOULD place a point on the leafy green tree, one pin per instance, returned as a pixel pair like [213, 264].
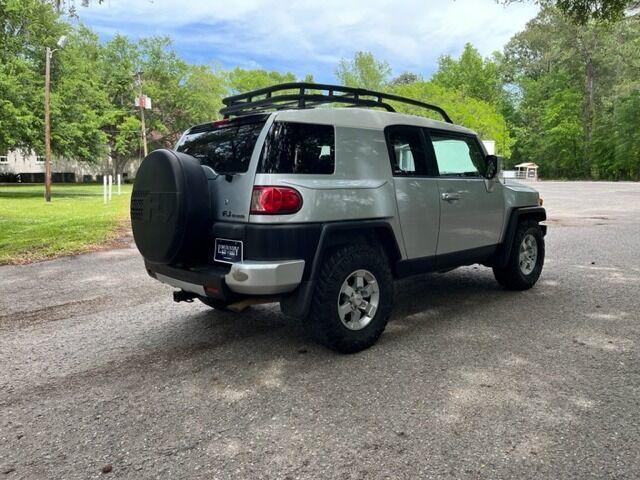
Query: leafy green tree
[26, 27]
[568, 75]
[79, 101]
[182, 94]
[471, 112]
[69, 7]
[471, 74]
[582, 11]
[363, 71]
[551, 134]
[405, 78]
[240, 80]
[120, 60]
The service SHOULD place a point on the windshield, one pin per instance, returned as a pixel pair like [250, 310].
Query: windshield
[226, 150]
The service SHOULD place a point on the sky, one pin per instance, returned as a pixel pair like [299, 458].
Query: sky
[312, 36]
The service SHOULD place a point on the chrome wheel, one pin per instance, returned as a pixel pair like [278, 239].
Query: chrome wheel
[358, 300]
[528, 254]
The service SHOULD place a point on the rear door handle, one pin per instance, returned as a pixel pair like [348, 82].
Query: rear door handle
[450, 197]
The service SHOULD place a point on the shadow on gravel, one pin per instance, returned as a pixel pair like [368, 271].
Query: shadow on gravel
[211, 342]
[420, 302]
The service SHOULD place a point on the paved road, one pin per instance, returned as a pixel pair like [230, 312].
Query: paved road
[99, 367]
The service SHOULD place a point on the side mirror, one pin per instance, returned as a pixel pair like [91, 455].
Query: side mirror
[491, 167]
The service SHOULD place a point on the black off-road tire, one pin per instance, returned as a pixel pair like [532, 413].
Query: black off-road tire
[323, 322]
[511, 277]
[214, 303]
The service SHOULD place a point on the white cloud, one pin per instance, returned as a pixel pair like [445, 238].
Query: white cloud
[303, 35]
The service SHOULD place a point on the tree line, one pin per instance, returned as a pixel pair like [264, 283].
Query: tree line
[563, 93]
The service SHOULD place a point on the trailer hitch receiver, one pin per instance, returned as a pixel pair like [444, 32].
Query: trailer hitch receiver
[182, 296]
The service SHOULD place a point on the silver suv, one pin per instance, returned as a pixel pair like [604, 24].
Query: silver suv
[291, 199]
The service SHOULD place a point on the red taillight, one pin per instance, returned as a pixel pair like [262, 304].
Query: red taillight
[275, 200]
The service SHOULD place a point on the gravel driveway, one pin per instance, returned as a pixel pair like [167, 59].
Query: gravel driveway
[99, 369]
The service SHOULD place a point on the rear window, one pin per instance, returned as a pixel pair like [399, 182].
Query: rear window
[226, 150]
[299, 148]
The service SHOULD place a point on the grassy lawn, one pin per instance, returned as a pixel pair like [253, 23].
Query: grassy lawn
[75, 221]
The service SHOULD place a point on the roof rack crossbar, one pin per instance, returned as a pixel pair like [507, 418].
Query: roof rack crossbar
[246, 103]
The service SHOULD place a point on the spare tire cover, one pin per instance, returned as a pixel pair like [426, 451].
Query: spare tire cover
[170, 208]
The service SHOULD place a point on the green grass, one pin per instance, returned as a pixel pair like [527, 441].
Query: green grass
[75, 221]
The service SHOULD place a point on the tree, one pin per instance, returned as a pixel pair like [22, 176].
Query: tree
[471, 112]
[363, 71]
[616, 137]
[120, 60]
[77, 102]
[582, 11]
[26, 26]
[405, 78]
[182, 94]
[568, 75]
[69, 6]
[470, 74]
[241, 80]
[551, 133]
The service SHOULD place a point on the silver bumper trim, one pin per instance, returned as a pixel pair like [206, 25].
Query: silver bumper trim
[186, 286]
[266, 277]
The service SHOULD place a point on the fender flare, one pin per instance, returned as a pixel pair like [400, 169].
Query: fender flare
[517, 214]
[334, 234]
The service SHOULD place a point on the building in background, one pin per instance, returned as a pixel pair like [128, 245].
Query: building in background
[527, 171]
[490, 146]
[523, 171]
[23, 167]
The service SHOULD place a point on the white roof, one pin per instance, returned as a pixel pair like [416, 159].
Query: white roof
[527, 165]
[363, 118]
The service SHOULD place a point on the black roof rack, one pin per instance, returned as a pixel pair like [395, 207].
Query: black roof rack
[311, 95]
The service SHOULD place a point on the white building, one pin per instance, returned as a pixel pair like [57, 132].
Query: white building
[20, 166]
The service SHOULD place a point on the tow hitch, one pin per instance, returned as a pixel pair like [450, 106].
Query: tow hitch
[182, 296]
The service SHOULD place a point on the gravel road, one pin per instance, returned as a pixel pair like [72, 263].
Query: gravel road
[99, 369]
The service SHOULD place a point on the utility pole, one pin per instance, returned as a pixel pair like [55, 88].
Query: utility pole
[47, 121]
[142, 108]
[47, 127]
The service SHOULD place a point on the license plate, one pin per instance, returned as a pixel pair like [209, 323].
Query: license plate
[228, 251]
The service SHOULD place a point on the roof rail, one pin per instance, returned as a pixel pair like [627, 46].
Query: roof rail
[311, 95]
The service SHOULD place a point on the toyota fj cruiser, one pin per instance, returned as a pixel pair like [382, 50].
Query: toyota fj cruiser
[291, 199]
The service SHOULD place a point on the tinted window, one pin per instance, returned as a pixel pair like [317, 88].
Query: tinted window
[226, 150]
[299, 148]
[457, 155]
[406, 150]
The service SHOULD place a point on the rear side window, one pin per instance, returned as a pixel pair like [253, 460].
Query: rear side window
[226, 150]
[299, 148]
[406, 149]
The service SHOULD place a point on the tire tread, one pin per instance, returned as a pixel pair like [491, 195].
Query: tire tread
[510, 277]
[320, 323]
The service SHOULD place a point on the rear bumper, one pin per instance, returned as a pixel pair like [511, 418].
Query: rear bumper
[265, 277]
[225, 282]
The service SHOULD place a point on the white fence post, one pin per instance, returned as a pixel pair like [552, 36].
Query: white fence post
[104, 188]
[119, 184]
[110, 186]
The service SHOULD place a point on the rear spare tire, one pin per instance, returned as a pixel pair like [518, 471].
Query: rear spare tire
[170, 208]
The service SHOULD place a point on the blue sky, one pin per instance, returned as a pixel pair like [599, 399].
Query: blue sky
[311, 37]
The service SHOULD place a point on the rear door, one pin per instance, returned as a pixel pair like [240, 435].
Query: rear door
[416, 188]
[471, 208]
